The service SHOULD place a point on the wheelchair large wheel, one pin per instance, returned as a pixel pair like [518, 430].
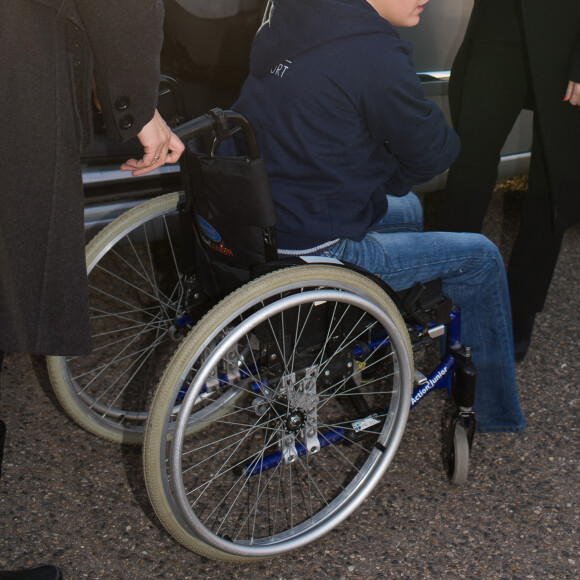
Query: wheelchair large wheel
[136, 304]
[296, 393]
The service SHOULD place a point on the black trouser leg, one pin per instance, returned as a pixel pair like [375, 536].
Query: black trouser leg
[534, 254]
[492, 96]
[536, 249]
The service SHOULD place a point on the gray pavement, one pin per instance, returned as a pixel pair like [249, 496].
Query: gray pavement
[71, 499]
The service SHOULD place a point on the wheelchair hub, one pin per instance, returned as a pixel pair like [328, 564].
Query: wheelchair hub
[301, 416]
[295, 420]
[294, 406]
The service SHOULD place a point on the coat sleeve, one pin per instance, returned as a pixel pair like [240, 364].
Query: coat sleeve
[125, 39]
[412, 126]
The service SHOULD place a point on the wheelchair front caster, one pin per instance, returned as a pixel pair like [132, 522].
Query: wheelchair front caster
[458, 456]
[459, 448]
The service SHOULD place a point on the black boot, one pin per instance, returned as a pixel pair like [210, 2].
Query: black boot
[45, 572]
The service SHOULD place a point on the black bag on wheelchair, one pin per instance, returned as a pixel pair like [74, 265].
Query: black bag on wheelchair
[229, 204]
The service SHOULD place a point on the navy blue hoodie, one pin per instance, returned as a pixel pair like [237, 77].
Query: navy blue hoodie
[341, 118]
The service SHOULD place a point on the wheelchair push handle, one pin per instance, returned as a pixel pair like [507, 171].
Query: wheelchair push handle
[223, 125]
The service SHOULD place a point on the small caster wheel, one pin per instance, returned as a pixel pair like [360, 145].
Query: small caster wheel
[458, 457]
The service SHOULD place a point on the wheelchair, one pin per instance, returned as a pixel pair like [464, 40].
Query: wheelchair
[286, 384]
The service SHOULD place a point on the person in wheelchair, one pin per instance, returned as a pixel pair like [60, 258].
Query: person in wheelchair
[345, 130]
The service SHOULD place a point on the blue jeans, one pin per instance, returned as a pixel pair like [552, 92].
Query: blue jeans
[473, 274]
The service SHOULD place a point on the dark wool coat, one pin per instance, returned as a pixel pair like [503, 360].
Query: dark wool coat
[49, 52]
[552, 35]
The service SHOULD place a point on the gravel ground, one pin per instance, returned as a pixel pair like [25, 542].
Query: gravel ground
[69, 498]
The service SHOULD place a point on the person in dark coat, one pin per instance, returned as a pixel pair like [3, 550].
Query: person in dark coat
[51, 51]
[519, 54]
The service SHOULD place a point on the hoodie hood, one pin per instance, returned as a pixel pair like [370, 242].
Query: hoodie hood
[296, 26]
